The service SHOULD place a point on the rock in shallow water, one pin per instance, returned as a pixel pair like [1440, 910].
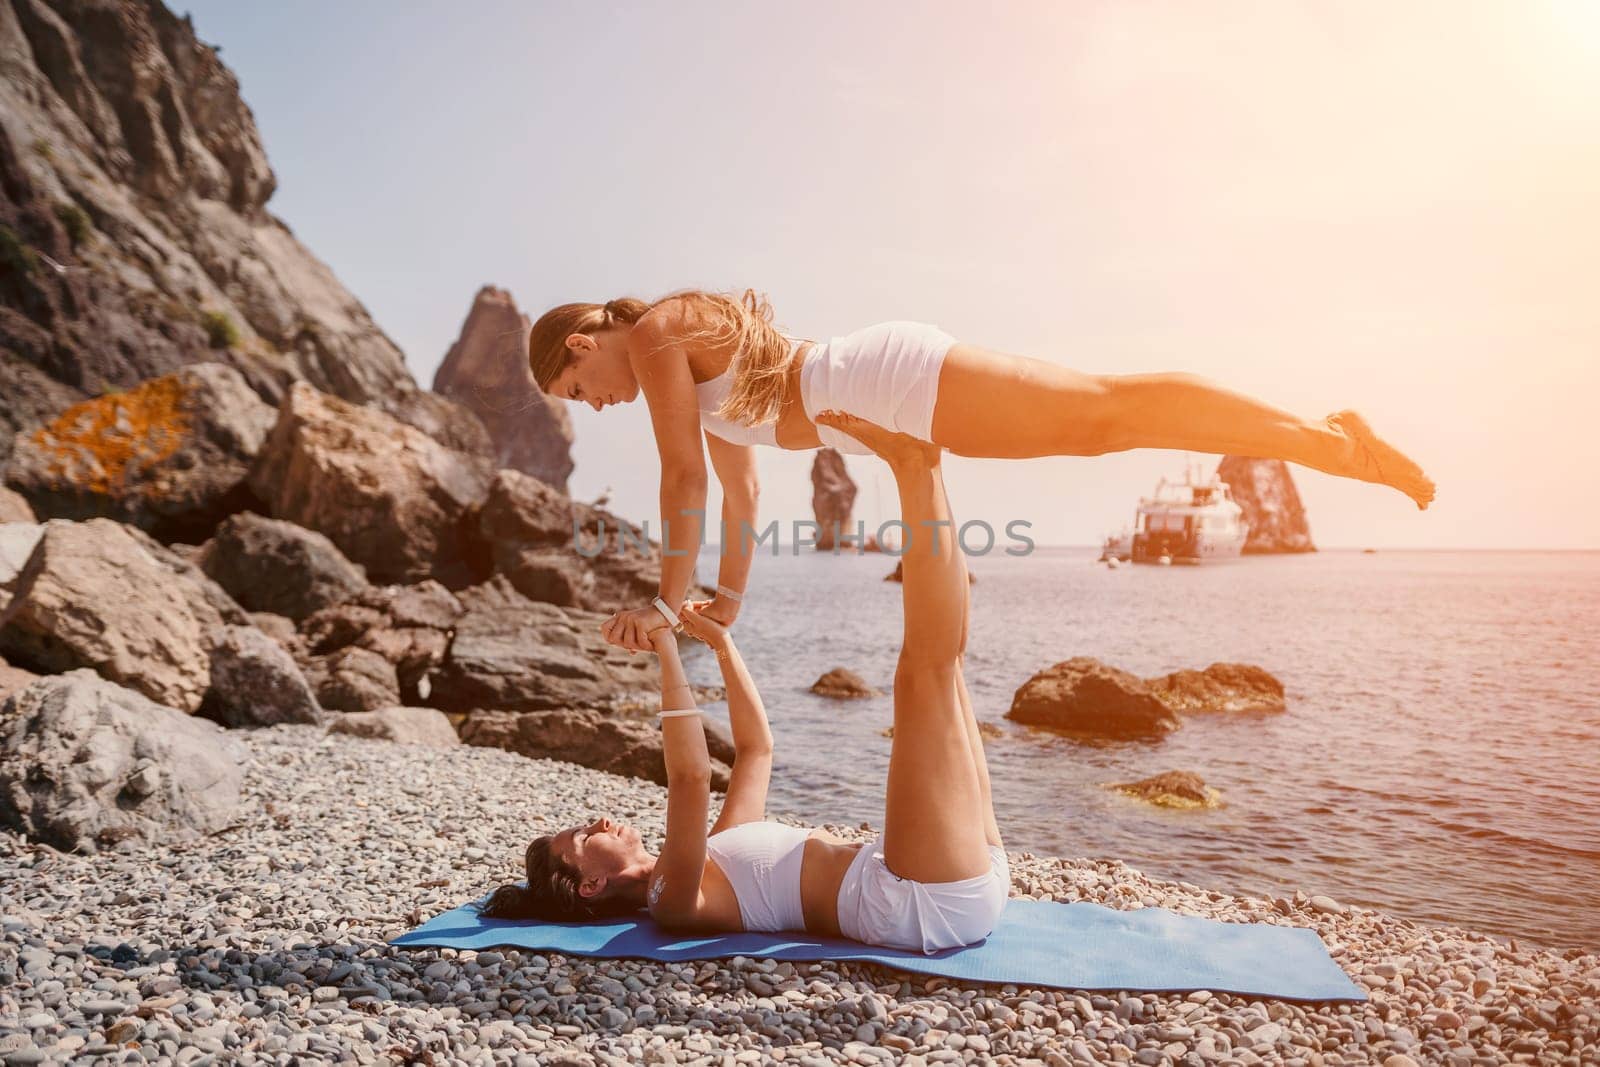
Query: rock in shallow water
[1172, 789]
[85, 763]
[1086, 698]
[1221, 687]
[842, 684]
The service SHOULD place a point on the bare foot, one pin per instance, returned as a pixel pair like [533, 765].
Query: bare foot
[899, 450]
[1376, 460]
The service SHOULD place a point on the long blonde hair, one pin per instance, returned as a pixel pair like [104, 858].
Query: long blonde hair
[761, 353]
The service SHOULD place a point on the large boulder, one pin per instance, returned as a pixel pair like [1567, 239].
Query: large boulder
[275, 566]
[13, 506]
[1265, 490]
[254, 682]
[512, 653]
[1221, 687]
[85, 764]
[407, 627]
[833, 496]
[557, 550]
[408, 726]
[393, 499]
[169, 456]
[102, 595]
[1083, 697]
[627, 747]
[487, 370]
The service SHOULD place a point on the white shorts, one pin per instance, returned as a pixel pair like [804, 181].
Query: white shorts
[887, 373]
[878, 907]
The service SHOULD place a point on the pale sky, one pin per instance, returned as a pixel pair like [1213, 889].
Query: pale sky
[1387, 206]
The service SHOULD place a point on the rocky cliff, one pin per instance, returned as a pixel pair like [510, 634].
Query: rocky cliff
[487, 371]
[833, 495]
[1264, 488]
[134, 235]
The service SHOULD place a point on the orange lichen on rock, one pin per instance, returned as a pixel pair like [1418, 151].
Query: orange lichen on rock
[94, 444]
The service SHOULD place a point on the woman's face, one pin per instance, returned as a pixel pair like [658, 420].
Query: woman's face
[599, 374]
[599, 852]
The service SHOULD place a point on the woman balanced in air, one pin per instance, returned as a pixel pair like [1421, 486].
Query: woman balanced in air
[937, 876]
[707, 364]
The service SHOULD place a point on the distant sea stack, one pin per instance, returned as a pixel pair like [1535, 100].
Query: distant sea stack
[134, 234]
[833, 496]
[1264, 488]
[487, 371]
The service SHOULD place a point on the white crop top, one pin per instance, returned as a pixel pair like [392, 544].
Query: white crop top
[762, 862]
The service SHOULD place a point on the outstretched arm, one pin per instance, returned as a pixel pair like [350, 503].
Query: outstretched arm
[662, 369]
[674, 893]
[752, 738]
[741, 492]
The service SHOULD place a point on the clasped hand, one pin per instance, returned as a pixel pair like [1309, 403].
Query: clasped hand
[637, 629]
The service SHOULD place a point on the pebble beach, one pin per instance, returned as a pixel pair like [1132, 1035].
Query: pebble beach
[266, 943]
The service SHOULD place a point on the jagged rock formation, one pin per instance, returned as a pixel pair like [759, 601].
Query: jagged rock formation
[833, 495]
[134, 235]
[486, 370]
[1264, 488]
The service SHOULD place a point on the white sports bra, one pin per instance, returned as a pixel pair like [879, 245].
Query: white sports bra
[761, 861]
[709, 396]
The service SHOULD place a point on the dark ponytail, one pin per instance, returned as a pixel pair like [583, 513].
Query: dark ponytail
[551, 893]
[509, 902]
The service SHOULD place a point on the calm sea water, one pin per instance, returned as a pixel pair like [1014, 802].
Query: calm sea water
[1439, 759]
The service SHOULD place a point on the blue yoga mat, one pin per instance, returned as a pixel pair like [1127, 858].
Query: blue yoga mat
[1038, 943]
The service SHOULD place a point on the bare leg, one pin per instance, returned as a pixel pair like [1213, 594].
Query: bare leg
[991, 828]
[1012, 406]
[936, 822]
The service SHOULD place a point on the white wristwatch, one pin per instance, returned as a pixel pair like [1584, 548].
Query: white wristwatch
[668, 614]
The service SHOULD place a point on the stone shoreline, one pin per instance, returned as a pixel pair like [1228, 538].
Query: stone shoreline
[266, 944]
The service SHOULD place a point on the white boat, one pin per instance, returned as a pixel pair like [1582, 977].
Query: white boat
[1188, 522]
